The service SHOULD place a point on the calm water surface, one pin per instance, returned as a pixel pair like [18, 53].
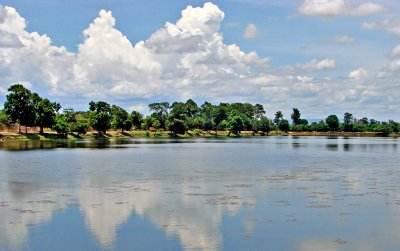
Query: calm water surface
[268, 193]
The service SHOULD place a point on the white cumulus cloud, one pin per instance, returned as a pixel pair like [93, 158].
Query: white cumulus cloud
[250, 32]
[358, 74]
[181, 59]
[318, 65]
[389, 25]
[333, 8]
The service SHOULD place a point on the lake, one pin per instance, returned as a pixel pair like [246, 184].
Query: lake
[257, 193]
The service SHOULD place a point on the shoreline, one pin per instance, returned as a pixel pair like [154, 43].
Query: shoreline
[12, 136]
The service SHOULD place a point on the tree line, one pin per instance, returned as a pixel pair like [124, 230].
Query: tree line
[30, 110]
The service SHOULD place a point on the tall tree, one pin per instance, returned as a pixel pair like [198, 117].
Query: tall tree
[218, 115]
[19, 106]
[333, 122]
[160, 112]
[46, 113]
[348, 122]
[61, 126]
[278, 117]
[296, 116]
[259, 111]
[235, 122]
[137, 119]
[119, 118]
[191, 108]
[100, 118]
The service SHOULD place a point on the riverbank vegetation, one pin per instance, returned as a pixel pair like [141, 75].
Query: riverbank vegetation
[184, 119]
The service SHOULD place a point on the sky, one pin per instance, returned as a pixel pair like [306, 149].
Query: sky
[320, 56]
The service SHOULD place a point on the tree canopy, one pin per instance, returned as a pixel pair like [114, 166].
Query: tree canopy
[27, 108]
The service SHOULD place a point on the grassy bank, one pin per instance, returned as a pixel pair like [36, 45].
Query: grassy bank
[5, 136]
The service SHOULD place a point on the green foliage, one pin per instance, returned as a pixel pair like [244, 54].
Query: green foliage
[29, 109]
[191, 108]
[303, 122]
[296, 116]
[177, 126]
[262, 124]
[100, 116]
[235, 122]
[150, 121]
[61, 126]
[80, 127]
[278, 117]
[333, 122]
[69, 115]
[160, 112]
[4, 118]
[119, 117]
[137, 119]
[197, 122]
[284, 125]
[78, 121]
[20, 106]
[348, 122]
[46, 113]
[319, 127]
[223, 126]
[259, 111]
[127, 126]
[218, 115]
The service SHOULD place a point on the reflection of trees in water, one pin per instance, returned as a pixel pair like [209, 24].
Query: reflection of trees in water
[181, 204]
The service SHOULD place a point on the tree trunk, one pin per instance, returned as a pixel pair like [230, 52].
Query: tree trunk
[41, 129]
[26, 129]
[19, 128]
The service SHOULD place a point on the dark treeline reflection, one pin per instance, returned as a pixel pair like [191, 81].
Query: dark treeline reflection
[345, 144]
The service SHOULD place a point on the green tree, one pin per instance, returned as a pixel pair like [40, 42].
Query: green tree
[278, 117]
[364, 121]
[119, 117]
[218, 115]
[137, 119]
[19, 106]
[284, 125]
[235, 122]
[348, 122]
[61, 126]
[46, 113]
[198, 122]
[259, 111]
[191, 108]
[100, 118]
[177, 126]
[69, 114]
[333, 122]
[160, 112]
[150, 121]
[178, 117]
[296, 116]
[78, 121]
[4, 118]
[262, 124]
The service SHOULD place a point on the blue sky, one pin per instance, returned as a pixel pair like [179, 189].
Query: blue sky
[320, 56]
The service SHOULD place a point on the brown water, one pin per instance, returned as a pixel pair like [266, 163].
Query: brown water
[267, 193]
